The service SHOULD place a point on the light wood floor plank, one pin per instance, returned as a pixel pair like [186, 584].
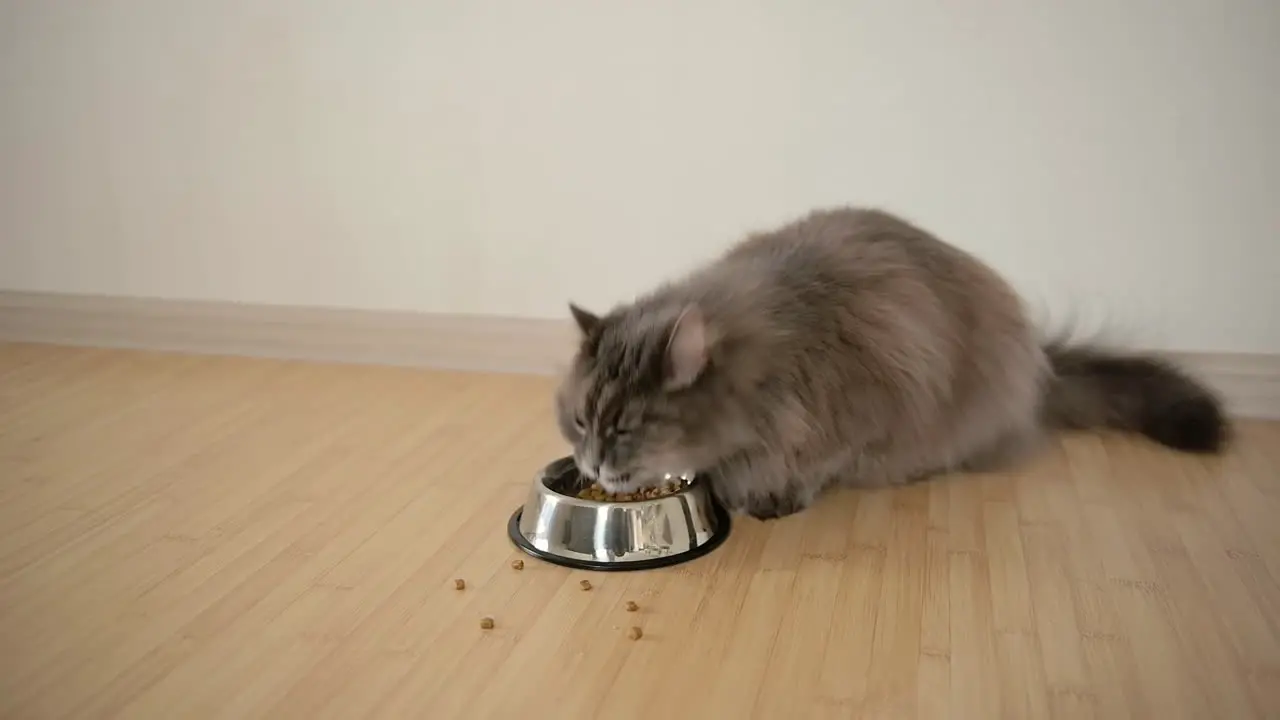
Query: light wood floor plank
[211, 537]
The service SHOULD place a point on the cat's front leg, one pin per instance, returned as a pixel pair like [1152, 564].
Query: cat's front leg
[757, 487]
[773, 506]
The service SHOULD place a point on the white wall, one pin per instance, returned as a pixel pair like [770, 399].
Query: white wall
[1118, 157]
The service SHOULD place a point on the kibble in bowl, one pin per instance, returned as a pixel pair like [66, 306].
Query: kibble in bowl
[573, 484]
[599, 494]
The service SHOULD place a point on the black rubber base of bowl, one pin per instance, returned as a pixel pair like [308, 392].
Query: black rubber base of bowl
[722, 519]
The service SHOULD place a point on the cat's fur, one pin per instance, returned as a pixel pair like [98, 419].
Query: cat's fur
[846, 347]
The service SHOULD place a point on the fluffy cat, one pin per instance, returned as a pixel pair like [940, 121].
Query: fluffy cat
[847, 347]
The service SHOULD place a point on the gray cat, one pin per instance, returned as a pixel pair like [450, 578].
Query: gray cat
[848, 347]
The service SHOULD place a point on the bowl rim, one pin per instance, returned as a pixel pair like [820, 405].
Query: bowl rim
[558, 466]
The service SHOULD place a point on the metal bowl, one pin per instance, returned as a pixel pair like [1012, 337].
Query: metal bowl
[556, 525]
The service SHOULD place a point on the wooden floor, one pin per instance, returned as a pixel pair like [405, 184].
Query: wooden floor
[189, 537]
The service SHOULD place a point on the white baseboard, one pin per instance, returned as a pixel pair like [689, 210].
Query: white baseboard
[1250, 384]
[457, 342]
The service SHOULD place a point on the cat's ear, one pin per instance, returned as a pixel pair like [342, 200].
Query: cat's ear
[586, 320]
[688, 347]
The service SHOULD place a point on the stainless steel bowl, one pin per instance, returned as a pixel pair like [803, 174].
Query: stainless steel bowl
[556, 525]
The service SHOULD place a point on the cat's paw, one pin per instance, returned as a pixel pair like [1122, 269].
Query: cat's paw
[774, 506]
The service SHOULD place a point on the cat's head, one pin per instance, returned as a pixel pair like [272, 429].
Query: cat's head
[637, 403]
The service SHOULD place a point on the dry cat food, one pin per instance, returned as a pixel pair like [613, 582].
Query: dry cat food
[486, 623]
[459, 584]
[631, 606]
[517, 564]
[635, 633]
[586, 584]
[599, 494]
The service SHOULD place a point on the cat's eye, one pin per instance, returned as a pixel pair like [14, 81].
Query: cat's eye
[621, 432]
[578, 424]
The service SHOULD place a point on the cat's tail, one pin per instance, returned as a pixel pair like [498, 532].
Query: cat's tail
[1096, 388]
